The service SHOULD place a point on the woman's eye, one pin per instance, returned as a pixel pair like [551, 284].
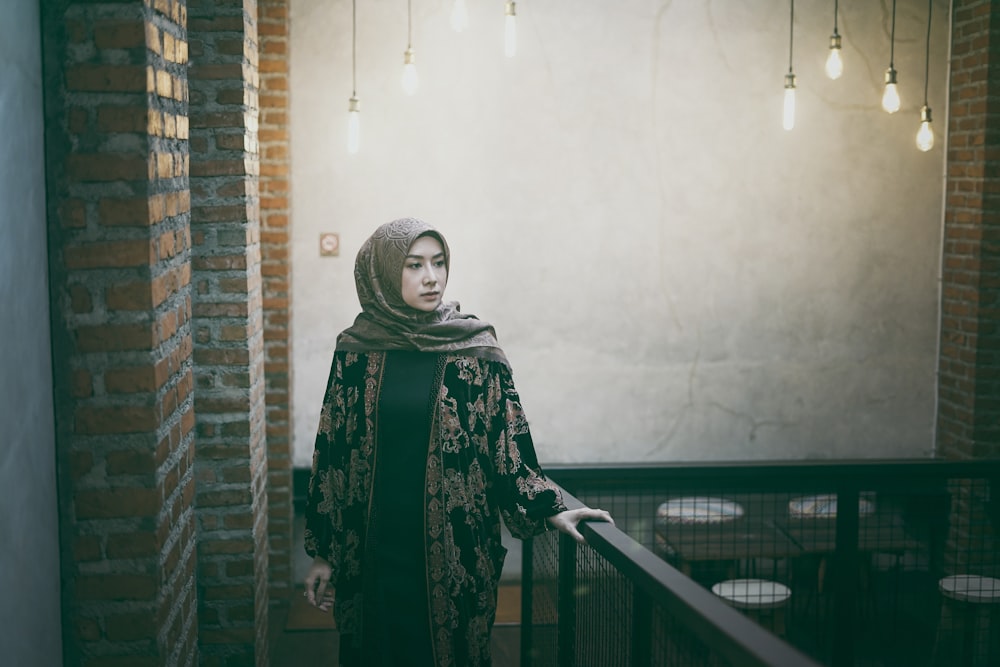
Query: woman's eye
[439, 263]
[414, 265]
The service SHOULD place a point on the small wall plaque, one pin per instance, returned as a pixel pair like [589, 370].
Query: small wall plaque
[329, 244]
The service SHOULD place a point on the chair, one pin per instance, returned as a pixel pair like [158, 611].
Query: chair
[760, 599]
[969, 610]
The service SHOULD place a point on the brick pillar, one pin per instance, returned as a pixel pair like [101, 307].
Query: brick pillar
[275, 237]
[231, 463]
[969, 364]
[119, 271]
[969, 381]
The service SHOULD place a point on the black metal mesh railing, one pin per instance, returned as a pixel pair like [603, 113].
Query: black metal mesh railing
[540, 600]
[604, 602]
[875, 563]
[612, 602]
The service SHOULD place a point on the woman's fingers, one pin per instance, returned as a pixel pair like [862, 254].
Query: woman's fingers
[595, 514]
[316, 583]
[321, 589]
[310, 591]
[568, 520]
[601, 515]
[316, 592]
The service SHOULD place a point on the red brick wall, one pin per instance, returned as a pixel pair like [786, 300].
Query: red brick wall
[120, 249]
[275, 240]
[231, 464]
[969, 365]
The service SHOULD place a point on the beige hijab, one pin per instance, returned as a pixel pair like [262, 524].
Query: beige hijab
[387, 323]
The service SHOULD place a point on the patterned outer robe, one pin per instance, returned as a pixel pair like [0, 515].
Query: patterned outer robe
[481, 465]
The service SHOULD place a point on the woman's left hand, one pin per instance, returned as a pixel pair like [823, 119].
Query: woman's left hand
[568, 520]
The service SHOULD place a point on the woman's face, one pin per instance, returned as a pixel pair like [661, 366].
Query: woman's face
[424, 274]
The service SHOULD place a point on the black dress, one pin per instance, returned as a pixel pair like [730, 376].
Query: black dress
[400, 613]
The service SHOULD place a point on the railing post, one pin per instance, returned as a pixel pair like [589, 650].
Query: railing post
[567, 601]
[845, 560]
[527, 606]
[642, 628]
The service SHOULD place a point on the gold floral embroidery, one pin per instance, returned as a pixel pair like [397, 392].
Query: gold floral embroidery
[531, 485]
[500, 454]
[516, 422]
[451, 431]
[477, 412]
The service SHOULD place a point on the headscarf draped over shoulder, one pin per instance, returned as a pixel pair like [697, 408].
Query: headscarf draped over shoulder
[387, 323]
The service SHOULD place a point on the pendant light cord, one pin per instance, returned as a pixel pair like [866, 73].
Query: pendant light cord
[927, 49]
[354, 48]
[836, 4]
[791, 33]
[892, 36]
[409, 24]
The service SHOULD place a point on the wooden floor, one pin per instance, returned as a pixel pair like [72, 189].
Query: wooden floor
[292, 648]
[319, 646]
[314, 642]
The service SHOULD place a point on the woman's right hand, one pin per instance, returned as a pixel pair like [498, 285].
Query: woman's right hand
[318, 592]
[568, 520]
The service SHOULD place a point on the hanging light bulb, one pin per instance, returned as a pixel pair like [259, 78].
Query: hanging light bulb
[410, 80]
[890, 96]
[510, 29]
[788, 116]
[834, 62]
[459, 16]
[925, 135]
[353, 104]
[353, 125]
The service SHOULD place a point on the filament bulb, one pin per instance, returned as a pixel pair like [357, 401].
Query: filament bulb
[925, 135]
[459, 16]
[510, 30]
[410, 80]
[353, 125]
[834, 61]
[788, 117]
[890, 96]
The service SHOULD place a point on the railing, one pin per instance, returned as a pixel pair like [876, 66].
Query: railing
[867, 581]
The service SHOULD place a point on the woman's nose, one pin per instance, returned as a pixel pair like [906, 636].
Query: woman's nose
[429, 276]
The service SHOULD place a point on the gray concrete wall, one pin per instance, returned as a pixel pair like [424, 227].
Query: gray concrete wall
[30, 626]
[673, 275]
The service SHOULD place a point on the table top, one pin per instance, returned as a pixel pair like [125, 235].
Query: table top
[971, 588]
[824, 506]
[702, 528]
[881, 530]
[698, 509]
[717, 543]
[712, 528]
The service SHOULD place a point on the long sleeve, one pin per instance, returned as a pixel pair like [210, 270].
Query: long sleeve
[326, 480]
[527, 497]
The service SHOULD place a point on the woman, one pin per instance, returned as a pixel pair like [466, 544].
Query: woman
[422, 446]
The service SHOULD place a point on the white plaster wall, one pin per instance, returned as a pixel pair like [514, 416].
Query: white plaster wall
[30, 619]
[672, 275]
